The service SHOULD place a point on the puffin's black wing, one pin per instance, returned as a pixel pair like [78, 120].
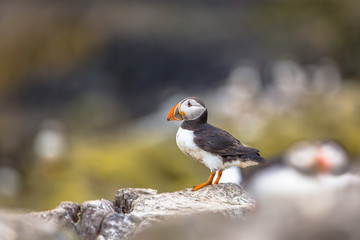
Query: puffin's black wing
[220, 142]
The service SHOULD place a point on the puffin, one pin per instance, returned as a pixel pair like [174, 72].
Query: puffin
[203, 142]
[308, 169]
[324, 157]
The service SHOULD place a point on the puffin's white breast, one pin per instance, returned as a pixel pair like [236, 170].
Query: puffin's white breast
[185, 141]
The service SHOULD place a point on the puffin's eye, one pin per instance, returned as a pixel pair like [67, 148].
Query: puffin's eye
[189, 104]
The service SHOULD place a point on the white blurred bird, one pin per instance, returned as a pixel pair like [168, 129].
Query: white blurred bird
[308, 177]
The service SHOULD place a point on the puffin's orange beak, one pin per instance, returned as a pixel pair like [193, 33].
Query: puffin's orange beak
[322, 162]
[175, 113]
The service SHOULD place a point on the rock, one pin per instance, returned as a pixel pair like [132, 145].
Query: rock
[199, 226]
[229, 199]
[135, 209]
[212, 213]
[281, 221]
[284, 220]
[66, 214]
[14, 226]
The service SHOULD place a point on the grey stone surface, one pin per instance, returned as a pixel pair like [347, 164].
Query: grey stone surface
[212, 213]
[146, 203]
[136, 209]
[282, 220]
[66, 214]
[15, 226]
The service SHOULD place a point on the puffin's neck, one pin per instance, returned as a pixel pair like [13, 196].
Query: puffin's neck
[196, 123]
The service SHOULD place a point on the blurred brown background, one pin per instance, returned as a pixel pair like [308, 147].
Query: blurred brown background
[85, 88]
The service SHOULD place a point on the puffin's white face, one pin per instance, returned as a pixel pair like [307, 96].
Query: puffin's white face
[323, 157]
[187, 109]
[301, 155]
[337, 156]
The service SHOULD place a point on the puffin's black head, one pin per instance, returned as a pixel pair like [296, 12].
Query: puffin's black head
[188, 109]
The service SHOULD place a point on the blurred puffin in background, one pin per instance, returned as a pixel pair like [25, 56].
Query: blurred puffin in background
[326, 157]
[309, 169]
[212, 146]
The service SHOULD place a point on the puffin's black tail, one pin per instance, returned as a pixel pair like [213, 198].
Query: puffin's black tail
[254, 157]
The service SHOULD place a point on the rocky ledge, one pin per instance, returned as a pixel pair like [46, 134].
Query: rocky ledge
[135, 209]
[213, 213]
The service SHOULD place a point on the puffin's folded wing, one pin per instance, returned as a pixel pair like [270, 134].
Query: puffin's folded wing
[220, 142]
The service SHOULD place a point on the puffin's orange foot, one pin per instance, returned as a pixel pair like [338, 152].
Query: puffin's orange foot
[218, 177]
[197, 187]
[209, 182]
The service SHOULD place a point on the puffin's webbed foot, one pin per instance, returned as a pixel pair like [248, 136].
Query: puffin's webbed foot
[218, 177]
[209, 182]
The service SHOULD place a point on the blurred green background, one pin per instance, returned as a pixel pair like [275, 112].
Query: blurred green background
[85, 88]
